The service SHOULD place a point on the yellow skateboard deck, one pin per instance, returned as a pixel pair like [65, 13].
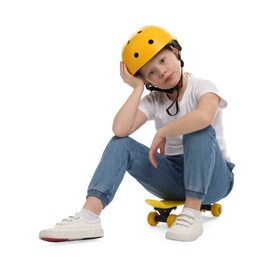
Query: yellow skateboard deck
[163, 210]
[164, 204]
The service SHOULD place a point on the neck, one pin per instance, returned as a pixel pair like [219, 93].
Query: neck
[172, 96]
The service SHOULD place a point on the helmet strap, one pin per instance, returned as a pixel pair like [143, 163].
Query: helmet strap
[177, 88]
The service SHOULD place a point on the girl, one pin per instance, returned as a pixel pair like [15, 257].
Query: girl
[187, 159]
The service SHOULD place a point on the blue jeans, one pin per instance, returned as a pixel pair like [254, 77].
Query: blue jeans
[201, 172]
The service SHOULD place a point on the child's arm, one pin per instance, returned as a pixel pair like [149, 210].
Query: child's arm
[191, 122]
[194, 120]
[129, 118]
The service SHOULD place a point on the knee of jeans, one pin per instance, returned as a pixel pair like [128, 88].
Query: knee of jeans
[197, 136]
[116, 139]
[121, 141]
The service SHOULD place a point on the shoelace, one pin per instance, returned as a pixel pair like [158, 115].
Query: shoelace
[184, 220]
[68, 219]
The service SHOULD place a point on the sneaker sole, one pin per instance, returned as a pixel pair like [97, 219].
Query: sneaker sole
[183, 237]
[51, 239]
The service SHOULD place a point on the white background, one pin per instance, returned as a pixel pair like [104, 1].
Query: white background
[60, 89]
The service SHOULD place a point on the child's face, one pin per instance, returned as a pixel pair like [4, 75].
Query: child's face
[163, 70]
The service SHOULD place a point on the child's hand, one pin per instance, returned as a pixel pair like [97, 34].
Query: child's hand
[158, 143]
[128, 78]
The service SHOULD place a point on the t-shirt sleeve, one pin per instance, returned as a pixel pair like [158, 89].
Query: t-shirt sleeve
[147, 106]
[207, 86]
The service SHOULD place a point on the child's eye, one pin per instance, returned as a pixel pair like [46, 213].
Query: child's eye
[162, 61]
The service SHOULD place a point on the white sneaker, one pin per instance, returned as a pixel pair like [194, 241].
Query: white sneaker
[187, 227]
[73, 228]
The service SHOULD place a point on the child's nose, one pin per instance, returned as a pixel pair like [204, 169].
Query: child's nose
[163, 72]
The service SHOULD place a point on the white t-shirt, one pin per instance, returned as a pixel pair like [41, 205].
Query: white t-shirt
[154, 106]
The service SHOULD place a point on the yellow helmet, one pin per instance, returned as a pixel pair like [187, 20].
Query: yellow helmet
[144, 45]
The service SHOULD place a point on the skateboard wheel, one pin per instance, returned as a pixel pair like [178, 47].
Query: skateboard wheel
[151, 218]
[170, 220]
[216, 209]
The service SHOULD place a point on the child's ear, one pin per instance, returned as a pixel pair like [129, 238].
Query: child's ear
[176, 52]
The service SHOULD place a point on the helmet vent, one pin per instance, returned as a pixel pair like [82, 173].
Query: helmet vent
[150, 41]
[136, 54]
